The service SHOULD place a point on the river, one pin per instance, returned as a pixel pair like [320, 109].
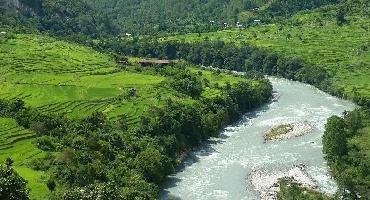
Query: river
[221, 168]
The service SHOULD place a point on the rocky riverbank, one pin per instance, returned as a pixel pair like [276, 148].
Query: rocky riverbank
[267, 184]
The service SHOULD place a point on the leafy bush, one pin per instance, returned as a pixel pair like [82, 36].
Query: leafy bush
[345, 141]
[187, 83]
[12, 186]
[45, 143]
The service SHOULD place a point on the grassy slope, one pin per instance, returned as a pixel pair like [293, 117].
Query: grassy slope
[69, 79]
[315, 37]
[17, 143]
[65, 78]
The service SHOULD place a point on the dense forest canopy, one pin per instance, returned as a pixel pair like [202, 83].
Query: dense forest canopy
[152, 16]
[170, 15]
[98, 18]
[347, 152]
[62, 18]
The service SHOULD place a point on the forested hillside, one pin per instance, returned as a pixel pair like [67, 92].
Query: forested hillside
[110, 17]
[333, 38]
[82, 122]
[75, 20]
[152, 16]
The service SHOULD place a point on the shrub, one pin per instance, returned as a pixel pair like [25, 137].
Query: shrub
[12, 186]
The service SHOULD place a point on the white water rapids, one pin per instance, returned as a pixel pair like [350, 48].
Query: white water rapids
[222, 168]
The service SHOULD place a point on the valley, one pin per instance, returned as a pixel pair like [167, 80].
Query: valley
[119, 99]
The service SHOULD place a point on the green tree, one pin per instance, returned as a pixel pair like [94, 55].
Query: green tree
[353, 121]
[51, 184]
[340, 17]
[131, 93]
[2, 7]
[12, 186]
[187, 83]
[153, 165]
[123, 123]
[96, 120]
[334, 139]
[350, 164]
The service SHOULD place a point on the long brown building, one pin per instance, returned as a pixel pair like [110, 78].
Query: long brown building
[152, 62]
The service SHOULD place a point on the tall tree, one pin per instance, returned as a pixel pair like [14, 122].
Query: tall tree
[2, 7]
[334, 139]
[12, 186]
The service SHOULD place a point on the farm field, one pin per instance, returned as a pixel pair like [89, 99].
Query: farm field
[64, 78]
[37, 71]
[315, 37]
[17, 142]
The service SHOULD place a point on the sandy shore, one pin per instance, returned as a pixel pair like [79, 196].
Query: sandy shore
[267, 184]
[299, 129]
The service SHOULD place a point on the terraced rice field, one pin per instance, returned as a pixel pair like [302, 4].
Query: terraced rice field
[10, 133]
[64, 78]
[16, 142]
[316, 38]
[59, 77]
[45, 54]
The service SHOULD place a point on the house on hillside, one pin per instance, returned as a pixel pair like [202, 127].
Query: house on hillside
[239, 25]
[155, 62]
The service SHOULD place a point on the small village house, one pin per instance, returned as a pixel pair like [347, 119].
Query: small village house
[156, 62]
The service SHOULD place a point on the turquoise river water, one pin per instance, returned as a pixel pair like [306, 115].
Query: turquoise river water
[221, 168]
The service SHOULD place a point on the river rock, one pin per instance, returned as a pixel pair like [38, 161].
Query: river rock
[299, 129]
[275, 96]
[267, 184]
